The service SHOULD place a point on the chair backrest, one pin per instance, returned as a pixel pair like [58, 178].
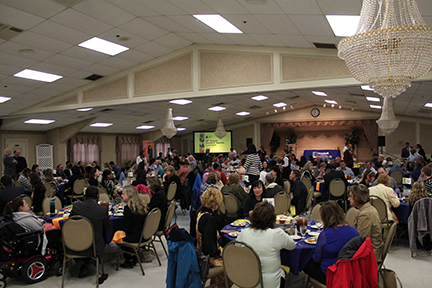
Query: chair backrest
[16, 183]
[171, 191]
[169, 214]
[222, 207]
[337, 187]
[309, 198]
[151, 224]
[146, 198]
[307, 181]
[46, 203]
[78, 187]
[104, 197]
[315, 215]
[282, 202]
[28, 200]
[81, 241]
[48, 188]
[351, 215]
[102, 190]
[287, 186]
[397, 176]
[231, 203]
[389, 240]
[380, 206]
[242, 266]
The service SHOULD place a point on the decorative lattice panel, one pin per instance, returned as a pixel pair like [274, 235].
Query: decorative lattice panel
[44, 156]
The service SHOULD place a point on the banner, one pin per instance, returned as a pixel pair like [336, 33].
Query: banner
[208, 140]
[148, 149]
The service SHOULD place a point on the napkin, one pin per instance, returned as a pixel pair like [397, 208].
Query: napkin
[56, 221]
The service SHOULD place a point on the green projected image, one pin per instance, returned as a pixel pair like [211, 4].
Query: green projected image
[208, 140]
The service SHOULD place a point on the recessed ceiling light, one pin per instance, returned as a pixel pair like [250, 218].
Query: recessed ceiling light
[145, 127]
[319, 93]
[429, 105]
[103, 46]
[218, 23]
[343, 25]
[330, 101]
[101, 124]
[243, 113]
[37, 75]
[180, 101]
[340, 107]
[275, 110]
[375, 106]
[367, 88]
[373, 99]
[280, 104]
[39, 121]
[84, 109]
[180, 118]
[292, 107]
[216, 108]
[181, 129]
[4, 99]
[259, 98]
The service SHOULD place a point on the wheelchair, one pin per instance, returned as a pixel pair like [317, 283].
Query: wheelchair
[21, 257]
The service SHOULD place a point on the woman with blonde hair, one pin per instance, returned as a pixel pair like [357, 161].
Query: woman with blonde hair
[135, 213]
[418, 192]
[169, 177]
[307, 171]
[386, 193]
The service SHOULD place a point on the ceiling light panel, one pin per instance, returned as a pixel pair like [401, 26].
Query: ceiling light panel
[103, 46]
[343, 25]
[259, 98]
[429, 105]
[280, 104]
[103, 125]
[375, 106]
[319, 93]
[84, 109]
[180, 101]
[145, 127]
[373, 99]
[330, 101]
[4, 99]
[37, 75]
[181, 129]
[218, 23]
[367, 88]
[180, 118]
[39, 121]
[243, 113]
[217, 108]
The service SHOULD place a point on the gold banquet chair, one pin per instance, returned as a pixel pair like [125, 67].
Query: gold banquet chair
[282, 203]
[168, 218]
[171, 191]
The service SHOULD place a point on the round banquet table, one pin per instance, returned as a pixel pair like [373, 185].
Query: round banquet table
[402, 212]
[116, 224]
[295, 259]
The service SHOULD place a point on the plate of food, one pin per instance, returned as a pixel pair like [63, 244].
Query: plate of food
[240, 223]
[312, 240]
[234, 234]
[295, 237]
[118, 214]
[313, 233]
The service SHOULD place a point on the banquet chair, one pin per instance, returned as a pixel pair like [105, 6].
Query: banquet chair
[102, 190]
[48, 189]
[381, 207]
[241, 265]
[389, 239]
[171, 191]
[146, 198]
[104, 197]
[309, 199]
[287, 186]
[16, 183]
[351, 215]
[46, 204]
[397, 176]
[78, 190]
[79, 242]
[337, 190]
[168, 218]
[150, 227]
[315, 283]
[231, 205]
[308, 183]
[315, 215]
[282, 203]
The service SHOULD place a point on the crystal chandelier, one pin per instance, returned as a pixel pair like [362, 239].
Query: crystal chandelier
[220, 130]
[169, 130]
[388, 122]
[391, 47]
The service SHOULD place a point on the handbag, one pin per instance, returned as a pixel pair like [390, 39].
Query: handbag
[390, 278]
[203, 263]
[168, 230]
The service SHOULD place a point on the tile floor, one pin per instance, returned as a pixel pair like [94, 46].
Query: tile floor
[413, 272]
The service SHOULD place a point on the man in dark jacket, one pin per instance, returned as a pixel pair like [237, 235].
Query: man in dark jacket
[8, 192]
[299, 190]
[98, 216]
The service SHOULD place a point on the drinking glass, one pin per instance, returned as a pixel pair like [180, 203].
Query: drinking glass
[303, 230]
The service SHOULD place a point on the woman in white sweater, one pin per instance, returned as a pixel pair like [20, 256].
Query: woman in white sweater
[267, 243]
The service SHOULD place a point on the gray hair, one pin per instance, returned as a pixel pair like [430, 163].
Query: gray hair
[270, 178]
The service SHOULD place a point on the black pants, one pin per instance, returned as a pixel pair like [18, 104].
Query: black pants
[252, 178]
[313, 269]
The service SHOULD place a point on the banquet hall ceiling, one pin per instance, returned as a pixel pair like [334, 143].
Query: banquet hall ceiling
[153, 28]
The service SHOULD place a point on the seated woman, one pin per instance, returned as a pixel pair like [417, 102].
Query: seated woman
[319, 174]
[135, 213]
[169, 177]
[94, 176]
[158, 200]
[49, 178]
[19, 209]
[385, 193]
[206, 226]
[367, 223]
[141, 176]
[38, 192]
[418, 192]
[335, 235]
[264, 171]
[107, 182]
[209, 183]
[307, 171]
[233, 187]
[256, 194]
[267, 243]
[23, 179]
[35, 169]
[368, 179]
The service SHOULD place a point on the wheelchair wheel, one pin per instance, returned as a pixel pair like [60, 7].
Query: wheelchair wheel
[35, 270]
[3, 283]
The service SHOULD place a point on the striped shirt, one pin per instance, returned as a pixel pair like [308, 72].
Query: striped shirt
[428, 185]
[253, 165]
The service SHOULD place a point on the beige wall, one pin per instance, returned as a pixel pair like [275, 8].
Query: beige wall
[240, 135]
[108, 148]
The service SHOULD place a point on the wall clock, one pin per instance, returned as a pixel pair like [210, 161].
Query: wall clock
[315, 112]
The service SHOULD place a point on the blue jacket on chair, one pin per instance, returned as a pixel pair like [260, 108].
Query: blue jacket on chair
[183, 269]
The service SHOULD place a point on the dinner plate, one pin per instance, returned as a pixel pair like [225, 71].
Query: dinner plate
[314, 227]
[233, 234]
[311, 241]
[118, 214]
[240, 223]
[295, 237]
[313, 233]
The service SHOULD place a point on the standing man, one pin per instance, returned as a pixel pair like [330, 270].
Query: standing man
[286, 170]
[9, 164]
[349, 156]
[21, 162]
[300, 193]
[405, 151]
